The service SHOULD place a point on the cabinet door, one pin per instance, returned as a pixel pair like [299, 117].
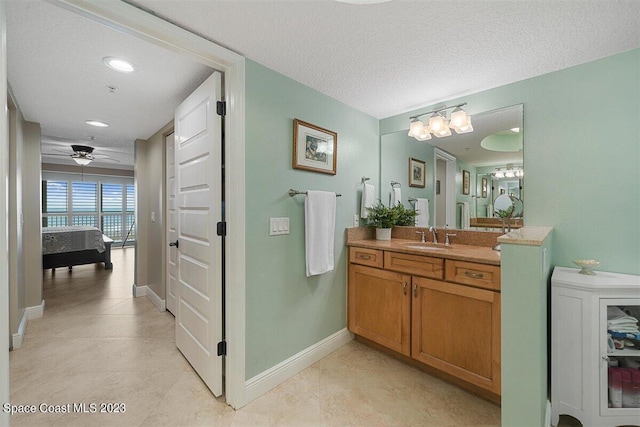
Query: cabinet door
[379, 306]
[456, 329]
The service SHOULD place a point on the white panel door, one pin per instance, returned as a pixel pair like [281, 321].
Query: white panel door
[171, 261]
[198, 176]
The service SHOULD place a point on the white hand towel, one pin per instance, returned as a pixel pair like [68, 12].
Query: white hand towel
[422, 207]
[465, 218]
[368, 199]
[489, 211]
[319, 231]
[395, 197]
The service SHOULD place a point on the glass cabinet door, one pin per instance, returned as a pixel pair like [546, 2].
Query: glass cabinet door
[620, 357]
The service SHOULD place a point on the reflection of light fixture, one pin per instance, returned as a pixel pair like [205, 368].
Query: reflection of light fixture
[439, 125]
[509, 172]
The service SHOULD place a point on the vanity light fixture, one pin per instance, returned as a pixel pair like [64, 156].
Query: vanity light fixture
[510, 172]
[439, 125]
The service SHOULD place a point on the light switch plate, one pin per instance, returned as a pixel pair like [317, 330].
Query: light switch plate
[278, 226]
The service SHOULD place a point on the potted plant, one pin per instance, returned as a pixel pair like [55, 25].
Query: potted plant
[383, 218]
[406, 217]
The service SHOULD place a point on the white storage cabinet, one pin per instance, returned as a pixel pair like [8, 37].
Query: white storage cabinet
[579, 351]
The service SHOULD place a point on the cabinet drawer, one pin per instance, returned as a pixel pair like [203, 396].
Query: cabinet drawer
[414, 264]
[473, 274]
[364, 256]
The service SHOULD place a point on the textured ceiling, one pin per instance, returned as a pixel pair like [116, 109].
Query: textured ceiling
[57, 75]
[383, 59]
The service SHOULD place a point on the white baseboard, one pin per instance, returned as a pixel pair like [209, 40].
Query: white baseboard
[141, 291]
[160, 304]
[265, 381]
[18, 337]
[35, 312]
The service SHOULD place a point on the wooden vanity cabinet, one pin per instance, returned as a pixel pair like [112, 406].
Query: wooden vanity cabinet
[379, 306]
[444, 313]
[456, 329]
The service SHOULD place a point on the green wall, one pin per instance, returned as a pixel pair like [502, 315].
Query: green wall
[581, 156]
[286, 311]
[395, 151]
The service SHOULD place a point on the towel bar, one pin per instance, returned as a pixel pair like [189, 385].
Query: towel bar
[412, 200]
[394, 183]
[364, 178]
[293, 192]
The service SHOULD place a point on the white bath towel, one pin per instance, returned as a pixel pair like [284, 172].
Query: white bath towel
[395, 197]
[368, 199]
[319, 231]
[465, 218]
[489, 211]
[422, 207]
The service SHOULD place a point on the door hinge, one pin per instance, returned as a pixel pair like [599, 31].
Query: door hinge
[221, 108]
[222, 348]
[221, 228]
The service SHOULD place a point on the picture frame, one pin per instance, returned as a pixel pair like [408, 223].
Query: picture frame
[485, 186]
[315, 149]
[417, 170]
[466, 182]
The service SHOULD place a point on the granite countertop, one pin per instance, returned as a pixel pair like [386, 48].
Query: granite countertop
[480, 254]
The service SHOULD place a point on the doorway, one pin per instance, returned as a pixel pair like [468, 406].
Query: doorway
[445, 173]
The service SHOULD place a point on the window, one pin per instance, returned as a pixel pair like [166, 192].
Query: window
[84, 202]
[54, 203]
[108, 204]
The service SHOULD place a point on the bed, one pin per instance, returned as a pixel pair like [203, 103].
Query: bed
[79, 245]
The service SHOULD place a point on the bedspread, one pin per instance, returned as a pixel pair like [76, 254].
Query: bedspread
[70, 239]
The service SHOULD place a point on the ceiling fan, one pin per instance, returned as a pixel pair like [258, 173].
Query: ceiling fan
[83, 155]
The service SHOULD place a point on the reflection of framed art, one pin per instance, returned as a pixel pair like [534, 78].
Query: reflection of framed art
[417, 170]
[466, 182]
[314, 148]
[437, 186]
[484, 188]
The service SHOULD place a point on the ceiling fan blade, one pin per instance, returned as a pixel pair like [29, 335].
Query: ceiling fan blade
[61, 151]
[54, 154]
[106, 159]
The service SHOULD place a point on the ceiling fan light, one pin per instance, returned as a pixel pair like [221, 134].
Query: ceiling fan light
[82, 161]
[415, 127]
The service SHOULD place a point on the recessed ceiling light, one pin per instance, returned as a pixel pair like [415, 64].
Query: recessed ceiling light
[516, 130]
[97, 123]
[119, 64]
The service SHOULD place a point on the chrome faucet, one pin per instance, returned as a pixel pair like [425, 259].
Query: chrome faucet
[447, 241]
[433, 233]
[422, 239]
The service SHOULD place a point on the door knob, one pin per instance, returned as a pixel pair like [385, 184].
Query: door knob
[174, 244]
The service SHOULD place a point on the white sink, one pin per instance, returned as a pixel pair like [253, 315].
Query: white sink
[425, 246]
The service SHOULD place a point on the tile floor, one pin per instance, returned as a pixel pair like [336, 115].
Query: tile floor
[97, 344]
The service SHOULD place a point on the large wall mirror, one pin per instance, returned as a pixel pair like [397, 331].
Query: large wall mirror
[464, 173]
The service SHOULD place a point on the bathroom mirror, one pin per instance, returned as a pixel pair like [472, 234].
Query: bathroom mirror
[485, 163]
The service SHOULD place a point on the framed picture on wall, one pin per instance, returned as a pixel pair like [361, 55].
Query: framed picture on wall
[417, 170]
[466, 182]
[485, 185]
[314, 148]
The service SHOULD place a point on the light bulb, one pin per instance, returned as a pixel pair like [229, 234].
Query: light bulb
[415, 127]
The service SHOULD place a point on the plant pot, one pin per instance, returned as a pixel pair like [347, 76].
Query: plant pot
[383, 234]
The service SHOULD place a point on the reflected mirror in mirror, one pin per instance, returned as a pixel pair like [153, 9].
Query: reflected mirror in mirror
[492, 153]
